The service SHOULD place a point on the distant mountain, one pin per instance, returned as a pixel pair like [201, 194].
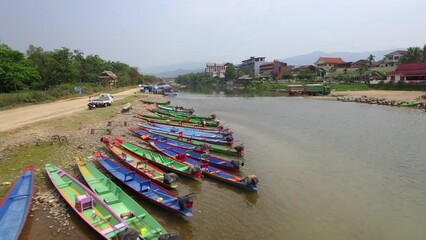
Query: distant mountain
[175, 73]
[309, 59]
[174, 67]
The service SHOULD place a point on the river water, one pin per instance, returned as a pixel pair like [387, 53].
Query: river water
[327, 170]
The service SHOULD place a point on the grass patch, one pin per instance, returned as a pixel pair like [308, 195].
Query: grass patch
[19, 157]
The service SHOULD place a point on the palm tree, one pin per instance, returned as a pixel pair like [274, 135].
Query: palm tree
[370, 59]
[413, 55]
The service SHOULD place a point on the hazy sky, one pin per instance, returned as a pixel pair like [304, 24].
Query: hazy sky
[161, 32]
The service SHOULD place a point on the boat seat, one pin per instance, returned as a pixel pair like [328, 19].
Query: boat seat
[96, 180]
[111, 229]
[102, 220]
[64, 184]
[111, 199]
[101, 189]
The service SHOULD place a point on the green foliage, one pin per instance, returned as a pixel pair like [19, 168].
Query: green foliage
[305, 74]
[413, 55]
[16, 72]
[288, 75]
[196, 80]
[230, 72]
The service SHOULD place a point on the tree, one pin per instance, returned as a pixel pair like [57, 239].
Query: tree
[39, 57]
[61, 67]
[230, 72]
[413, 55]
[424, 53]
[16, 72]
[288, 75]
[370, 59]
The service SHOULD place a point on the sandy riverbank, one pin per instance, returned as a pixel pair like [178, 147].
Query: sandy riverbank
[390, 95]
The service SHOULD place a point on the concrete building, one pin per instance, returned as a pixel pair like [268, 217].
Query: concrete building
[272, 69]
[216, 69]
[328, 62]
[408, 73]
[252, 65]
[392, 59]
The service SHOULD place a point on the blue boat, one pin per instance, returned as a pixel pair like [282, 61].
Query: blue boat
[233, 165]
[249, 182]
[170, 141]
[147, 189]
[186, 132]
[15, 205]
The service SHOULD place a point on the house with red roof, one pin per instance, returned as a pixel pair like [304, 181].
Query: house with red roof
[408, 73]
[328, 62]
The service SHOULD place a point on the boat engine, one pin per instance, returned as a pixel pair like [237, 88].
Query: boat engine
[251, 179]
[229, 138]
[213, 116]
[104, 140]
[239, 148]
[169, 236]
[186, 201]
[128, 234]
[194, 169]
[170, 178]
[237, 163]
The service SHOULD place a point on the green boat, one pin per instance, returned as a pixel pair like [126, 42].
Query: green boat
[179, 123]
[182, 115]
[178, 120]
[224, 149]
[94, 211]
[123, 205]
[155, 102]
[409, 103]
[161, 161]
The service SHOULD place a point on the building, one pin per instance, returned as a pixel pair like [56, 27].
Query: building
[392, 59]
[108, 78]
[408, 73]
[216, 69]
[252, 65]
[273, 69]
[328, 62]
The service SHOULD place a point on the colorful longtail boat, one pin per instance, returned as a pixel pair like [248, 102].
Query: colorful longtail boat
[182, 115]
[147, 189]
[161, 161]
[141, 166]
[233, 165]
[197, 145]
[155, 102]
[179, 120]
[16, 204]
[192, 128]
[249, 182]
[188, 131]
[124, 206]
[93, 210]
[204, 137]
[176, 108]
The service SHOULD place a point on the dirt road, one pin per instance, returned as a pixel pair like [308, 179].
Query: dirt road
[16, 118]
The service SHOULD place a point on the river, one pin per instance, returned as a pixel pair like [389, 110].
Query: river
[327, 170]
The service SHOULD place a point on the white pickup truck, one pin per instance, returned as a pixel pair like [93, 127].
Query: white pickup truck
[105, 99]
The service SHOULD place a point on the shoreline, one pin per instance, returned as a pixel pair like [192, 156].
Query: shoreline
[386, 94]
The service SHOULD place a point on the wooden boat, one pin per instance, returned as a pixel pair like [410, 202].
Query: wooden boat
[189, 128]
[93, 210]
[141, 166]
[155, 102]
[124, 206]
[176, 108]
[170, 93]
[197, 135]
[211, 123]
[147, 189]
[409, 103]
[16, 204]
[233, 165]
[182, 115]
[169, 164]
[179, 123]
[248, 182]
[191, 144]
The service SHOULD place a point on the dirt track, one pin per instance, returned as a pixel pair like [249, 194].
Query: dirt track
[19, 117]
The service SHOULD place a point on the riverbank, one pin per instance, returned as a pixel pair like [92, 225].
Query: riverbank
[379, 94]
